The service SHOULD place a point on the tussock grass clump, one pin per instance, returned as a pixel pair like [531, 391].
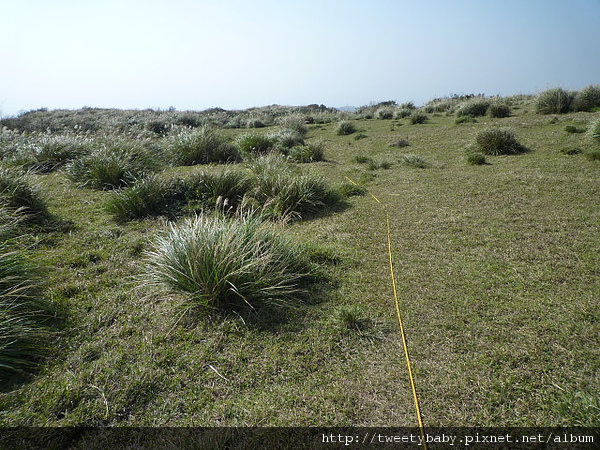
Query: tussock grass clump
[499, 110]
[253, 144]
[285, 139]
[156, 196]
[385, 113]
[21, 307]
[201, 146]
[19, 191]
[587, 99]
[418, 117]
[554, 101]
[414, 161]
[476, 158]
[345, 127]
[475, 108]
[594, 131]
[498, 141]
[311, 152]
[574, 129]
[593, 155]
[228, 263]
[352, 190]
[146, 197]
[285, 192]
[112, 166]
[465, 119]
[296, 122]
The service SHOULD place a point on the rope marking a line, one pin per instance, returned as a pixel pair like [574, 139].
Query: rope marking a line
[399, 314]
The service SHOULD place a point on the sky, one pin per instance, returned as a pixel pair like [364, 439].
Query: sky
[234, 54]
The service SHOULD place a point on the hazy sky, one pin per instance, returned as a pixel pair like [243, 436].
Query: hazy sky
[196, 54]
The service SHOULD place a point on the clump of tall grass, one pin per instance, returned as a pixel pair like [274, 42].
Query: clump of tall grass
[253, 144]
[498, 141]
[228, 263]
[19, 191]
[499, 110]
[112, 166]
[587, 99]
[155, 196]
[311, 152]
[554, 101]
[286, 138]
[345, 127]
[475, 158]
[385, 113]
[203, 145]
[21, 317]
[475, 107]
[296, 122]
[285, 192]
[418, 117]
[594, 131]
[414, 161]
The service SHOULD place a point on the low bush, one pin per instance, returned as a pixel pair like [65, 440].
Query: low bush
[201, 146]
[345, 127]
[587, 99]
[296, 122]
[228, 263]
[285, 139]
[554, 101]
[385, 113]
[498, 141]
[112, 166]
[150, 196]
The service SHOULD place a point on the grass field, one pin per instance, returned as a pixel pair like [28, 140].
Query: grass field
[497, 265]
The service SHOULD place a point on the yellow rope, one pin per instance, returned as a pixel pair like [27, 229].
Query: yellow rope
[400, 321]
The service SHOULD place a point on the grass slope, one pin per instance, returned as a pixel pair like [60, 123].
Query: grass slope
[497, 267]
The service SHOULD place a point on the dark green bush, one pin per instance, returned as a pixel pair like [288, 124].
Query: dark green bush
[476, 159]
[475, 107]
[418, 117]
[345, 127]
[253, 144]
[499, 110]
[19, 191]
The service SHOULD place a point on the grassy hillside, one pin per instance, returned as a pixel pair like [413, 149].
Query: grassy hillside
[497, 266]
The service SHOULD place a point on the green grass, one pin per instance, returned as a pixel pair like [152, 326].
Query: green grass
[497, 270]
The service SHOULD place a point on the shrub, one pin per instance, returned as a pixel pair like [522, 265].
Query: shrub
[594, 131]
[587, 99]
[497, 141]
[201, 146]
[499, 110]
[253, 144]
[345, 127]
[18, 191]
[475, 107]
[554, 101]
[403, 113]
[475, 158]
[228, 263]
[254, 122]
[418, 117]
[112, 167]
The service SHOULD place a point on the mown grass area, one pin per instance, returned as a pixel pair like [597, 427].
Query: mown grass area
[497, 268]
